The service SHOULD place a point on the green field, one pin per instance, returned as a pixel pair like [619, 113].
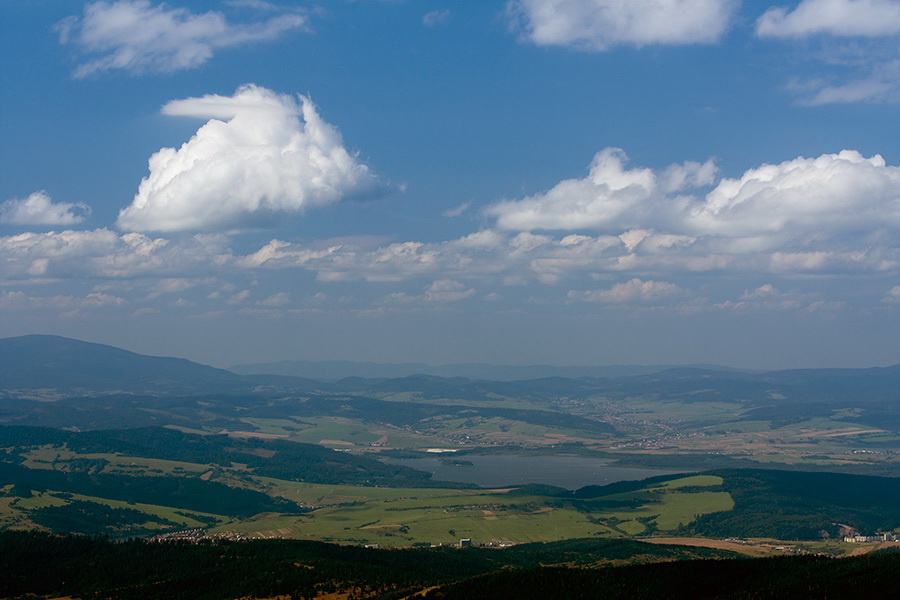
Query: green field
[403, 517]
[407, 521]
[378, 515]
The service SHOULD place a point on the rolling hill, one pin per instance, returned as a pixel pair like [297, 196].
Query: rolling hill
[53, 362]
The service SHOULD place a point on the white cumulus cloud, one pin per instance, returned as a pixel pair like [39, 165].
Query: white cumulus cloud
[611, 197]
[831, 194]
[260, 155]
[801, 201]
[39, 209]
[600, 24]
[137, 36]
[869, 18]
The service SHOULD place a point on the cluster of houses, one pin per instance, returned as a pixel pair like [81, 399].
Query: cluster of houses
[197, 536]
[881, 537]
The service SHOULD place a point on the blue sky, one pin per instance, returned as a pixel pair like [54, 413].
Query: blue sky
[530, 181]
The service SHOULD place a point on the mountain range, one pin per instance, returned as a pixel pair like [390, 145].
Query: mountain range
[47, 362]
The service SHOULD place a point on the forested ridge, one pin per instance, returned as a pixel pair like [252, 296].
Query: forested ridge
[801, 506]
[781, 578]
[273, 458]
[95, 569]
[177, 492]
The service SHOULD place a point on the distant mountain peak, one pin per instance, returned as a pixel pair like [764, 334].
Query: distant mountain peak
[43, 362]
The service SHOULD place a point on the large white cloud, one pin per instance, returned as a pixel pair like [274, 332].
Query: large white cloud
[601, 24]
[833, 195]
[832, 17]
[611, 197]
[39, 209]
[795, 202]
[137, 36]
[608, 197]
[261, 155]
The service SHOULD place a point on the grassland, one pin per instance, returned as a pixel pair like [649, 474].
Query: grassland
[15, 511]
[404, 517]
[389, 517]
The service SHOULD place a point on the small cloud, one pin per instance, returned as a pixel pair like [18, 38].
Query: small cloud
[435, 17]
[893, 295]
[863, 18]
[38, 267]
[447, 290]
[881, 84]
[139, 37]
[597, 25]
[455, 212]
[97, 300]
[764, 291]
[279, 299]
[442, 291]
[239, 297]
[765, 298]
[630, 291]
[169, 285]
[39, 209]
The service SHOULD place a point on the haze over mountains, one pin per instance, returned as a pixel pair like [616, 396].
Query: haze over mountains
[339, 369]
[46, 362]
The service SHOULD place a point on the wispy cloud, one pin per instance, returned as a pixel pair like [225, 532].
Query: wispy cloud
[629, 291]
[893, 295]
[597, 25]
[435, 17]
[140, 37]
[859, 41]
[867, 18]
[457, 210]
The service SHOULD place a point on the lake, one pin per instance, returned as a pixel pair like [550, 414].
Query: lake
[504, 470]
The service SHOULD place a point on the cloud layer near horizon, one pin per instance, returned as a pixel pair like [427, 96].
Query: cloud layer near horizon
[836, 213]
[261, 155]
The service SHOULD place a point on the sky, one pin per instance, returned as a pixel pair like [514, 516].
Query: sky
[568, 182]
